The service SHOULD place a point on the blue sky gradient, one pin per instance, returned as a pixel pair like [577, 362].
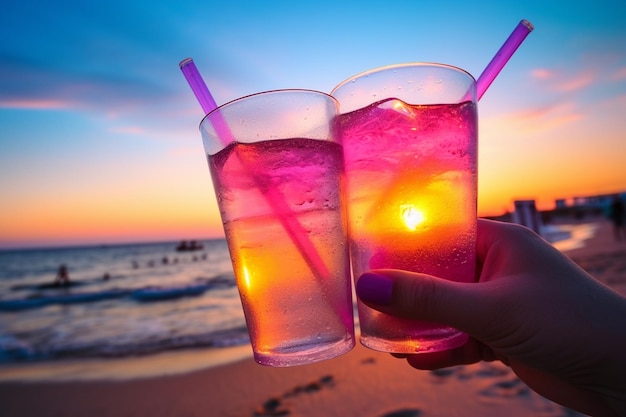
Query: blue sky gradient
[99, 136]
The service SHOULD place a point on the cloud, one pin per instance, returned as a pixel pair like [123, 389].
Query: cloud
[593, 70]
[116, 98]
[128, 130]
[36, 104]
[575, 83]
[619, 74]
[538, 119]
[543, 73]
[90, 88]
[549, 117]
[561, 82]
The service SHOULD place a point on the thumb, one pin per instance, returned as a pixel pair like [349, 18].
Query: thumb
[465, 306]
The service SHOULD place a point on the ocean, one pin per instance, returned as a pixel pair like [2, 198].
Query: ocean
[131, 301]
[126, 300]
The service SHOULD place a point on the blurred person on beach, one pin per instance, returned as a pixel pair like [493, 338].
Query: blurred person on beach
[558, 328]
[617, 215]
[63, 278]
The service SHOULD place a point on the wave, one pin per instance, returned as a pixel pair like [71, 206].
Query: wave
[56, 286]
[13, 350]
[143, 294]
[49, 286]
[569, 236]
[168, 293]
[36, 302]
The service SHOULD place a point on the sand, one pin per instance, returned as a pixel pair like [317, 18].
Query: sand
[361, 383]
[603, 257]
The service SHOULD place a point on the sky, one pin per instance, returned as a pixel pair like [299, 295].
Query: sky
[99, 139]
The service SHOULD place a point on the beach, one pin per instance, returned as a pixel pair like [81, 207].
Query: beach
[360, 383]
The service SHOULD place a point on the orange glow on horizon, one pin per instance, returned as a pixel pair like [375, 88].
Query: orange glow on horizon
[91, 220]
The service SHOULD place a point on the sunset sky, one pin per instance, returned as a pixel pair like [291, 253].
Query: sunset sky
[99, 139]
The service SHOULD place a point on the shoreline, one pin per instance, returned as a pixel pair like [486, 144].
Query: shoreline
[183, 361]
[577, 236]
[162, 364]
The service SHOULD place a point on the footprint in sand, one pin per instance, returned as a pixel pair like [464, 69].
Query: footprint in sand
[325, 381]
[443, 372]
[274, 407]
[506, 388]
[442, 376]
[408, 412]
[462, 372]
[271, 408]
[483, 370]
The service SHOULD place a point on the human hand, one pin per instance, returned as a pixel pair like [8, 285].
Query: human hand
[560, 330]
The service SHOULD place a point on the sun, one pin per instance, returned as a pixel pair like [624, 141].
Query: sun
[411, 216]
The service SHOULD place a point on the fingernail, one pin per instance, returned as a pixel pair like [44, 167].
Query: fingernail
[375, 288]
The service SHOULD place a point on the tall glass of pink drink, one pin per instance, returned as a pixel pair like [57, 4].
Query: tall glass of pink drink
[278, 175]
[409, 134]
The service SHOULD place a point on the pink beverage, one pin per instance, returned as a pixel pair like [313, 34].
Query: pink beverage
[298, 306]
[411, 182]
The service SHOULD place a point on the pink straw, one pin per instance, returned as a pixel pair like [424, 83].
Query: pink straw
[208, 104]
[198, 86]
[501, 58]
[298, 234]
[296, 231]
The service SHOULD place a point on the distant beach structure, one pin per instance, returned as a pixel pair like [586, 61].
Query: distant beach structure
[526, 214]
[575, 208]
[590, 204]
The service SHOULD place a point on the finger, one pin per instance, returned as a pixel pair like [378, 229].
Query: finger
[494, 242]
[423, 297]
[472, 352]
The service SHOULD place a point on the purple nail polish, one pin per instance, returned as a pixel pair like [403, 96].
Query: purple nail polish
[375, 288]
